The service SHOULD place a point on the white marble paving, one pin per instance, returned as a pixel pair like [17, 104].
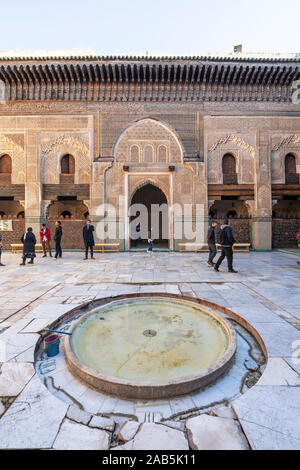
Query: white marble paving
[13, 377]
[278, 372]
[265, 292]
[75, 436]
[268, 412]
[33, 420]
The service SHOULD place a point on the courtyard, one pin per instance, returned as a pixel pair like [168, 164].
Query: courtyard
[44, 406]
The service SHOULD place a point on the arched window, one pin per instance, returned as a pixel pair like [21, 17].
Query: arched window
[21, 215]
[2, 214]
[135, 153]
[162, 154]
[66, 214]
[231, 215]
[148, 154]
[67, 169]
[291, 176]
[5, 169]
[229, 169]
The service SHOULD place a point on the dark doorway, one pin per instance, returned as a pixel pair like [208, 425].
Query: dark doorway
[148, 195]
[291, 176]
[67, 169]
[229, 169]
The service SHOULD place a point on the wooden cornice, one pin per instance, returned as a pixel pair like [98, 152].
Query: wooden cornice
[148, 79]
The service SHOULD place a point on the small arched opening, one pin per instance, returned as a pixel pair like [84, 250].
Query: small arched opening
[230, 209]
[66, 214]
[291, 176]
[67, 169]
[65, 208]
[134, 154]
[5, 169]
[231, 215]
[148, 154]
[229, 169]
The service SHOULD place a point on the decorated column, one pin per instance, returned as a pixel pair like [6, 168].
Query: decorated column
[33, 187]
[262, 218]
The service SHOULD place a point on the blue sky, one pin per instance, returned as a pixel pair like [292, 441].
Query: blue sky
[165, 27]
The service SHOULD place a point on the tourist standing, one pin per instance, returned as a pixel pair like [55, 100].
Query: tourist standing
[88, 238]
[151, 243]
[57, 238]
[211, 241]
[29, 241]
[45, 236]
[1, 250]
[227, 240]
[150, 249]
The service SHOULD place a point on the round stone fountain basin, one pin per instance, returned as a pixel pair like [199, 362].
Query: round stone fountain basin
[150, 347]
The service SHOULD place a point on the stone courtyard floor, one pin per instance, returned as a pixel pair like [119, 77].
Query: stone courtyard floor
[42, 406]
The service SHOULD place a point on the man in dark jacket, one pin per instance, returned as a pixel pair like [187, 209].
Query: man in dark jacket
[57, 239]
[88, 238]
[29, 241]
[211, 241]
[227, 240]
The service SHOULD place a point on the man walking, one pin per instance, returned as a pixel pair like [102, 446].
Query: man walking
[45, 240]
[57, 238]
[211, 241]
[88, 238]
[226, 240]
[1, 250]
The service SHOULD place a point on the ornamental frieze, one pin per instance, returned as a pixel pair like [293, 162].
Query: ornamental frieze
[236, 140]
[68, 140]
[291, 140]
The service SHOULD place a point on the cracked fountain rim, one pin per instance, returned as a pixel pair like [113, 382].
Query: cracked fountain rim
[143, 389]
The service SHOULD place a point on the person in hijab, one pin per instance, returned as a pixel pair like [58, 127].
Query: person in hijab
[29, 241]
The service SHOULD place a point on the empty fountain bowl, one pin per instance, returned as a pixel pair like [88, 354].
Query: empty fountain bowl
[149, 348]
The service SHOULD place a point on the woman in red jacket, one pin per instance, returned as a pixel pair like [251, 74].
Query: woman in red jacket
[45, 240]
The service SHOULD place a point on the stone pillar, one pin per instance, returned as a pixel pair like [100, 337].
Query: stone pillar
[262, 217]
[33, 185]
[97, 191]
[250, 203]
[200, 197]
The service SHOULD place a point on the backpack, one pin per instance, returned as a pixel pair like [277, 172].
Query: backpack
[226, 237]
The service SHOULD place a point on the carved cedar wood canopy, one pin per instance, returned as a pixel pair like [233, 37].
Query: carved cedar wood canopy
[148, 78]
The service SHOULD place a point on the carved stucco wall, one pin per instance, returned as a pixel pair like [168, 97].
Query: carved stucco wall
[54, 146]
[144, 133]
[161, 181]
[133, 148]
[282, 145]
[13, 145]
[242, 147]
